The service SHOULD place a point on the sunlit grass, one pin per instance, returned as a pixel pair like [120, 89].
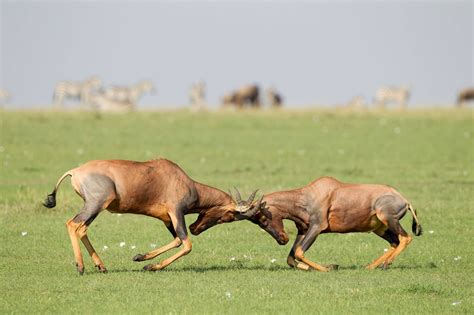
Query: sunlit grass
[237, 268]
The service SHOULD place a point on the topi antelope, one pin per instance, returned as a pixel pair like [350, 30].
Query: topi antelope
[330, 206]
[156, 188]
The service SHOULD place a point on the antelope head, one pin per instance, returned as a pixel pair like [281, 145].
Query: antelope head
[236, 210]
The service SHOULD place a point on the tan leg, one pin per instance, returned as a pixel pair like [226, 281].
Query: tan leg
[71, 228]
[150, 255]
[377, 262]
[299, 254]
[404, 241]
[82, 234]
[187, 246]
[296, 264]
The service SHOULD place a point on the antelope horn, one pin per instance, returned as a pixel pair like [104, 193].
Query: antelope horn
[230, 193]
[237, 196]
[252, 197]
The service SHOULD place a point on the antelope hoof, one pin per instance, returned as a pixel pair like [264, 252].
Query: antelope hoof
[152, 267]
[332, 267]
[138, 257]
[385, 266]
[102, 269]
[80, 269]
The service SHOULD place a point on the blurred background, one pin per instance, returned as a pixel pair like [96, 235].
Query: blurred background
[317, 53]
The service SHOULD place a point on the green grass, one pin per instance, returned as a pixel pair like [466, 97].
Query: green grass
[427, 155]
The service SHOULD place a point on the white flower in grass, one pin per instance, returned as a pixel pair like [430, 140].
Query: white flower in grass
[385, 249]
[228, 295]
[456, 303]
[122, 244]
[457, 258]
[119, 214]
[105, 247]
[232, 258]
[133, 247]
[153, 245]
[24, 233]
[431, 231]
[273, 260]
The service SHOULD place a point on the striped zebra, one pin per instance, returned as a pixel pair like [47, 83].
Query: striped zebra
[197, 95]
[129, 95]
[392, 94]
[102, 103]
[79, 91]
[4, 97]
[357, 102]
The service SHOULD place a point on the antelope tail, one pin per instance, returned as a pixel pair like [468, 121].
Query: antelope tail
[415, 225]
[50, 201]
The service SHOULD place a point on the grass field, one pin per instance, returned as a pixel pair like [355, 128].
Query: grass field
[235, 268]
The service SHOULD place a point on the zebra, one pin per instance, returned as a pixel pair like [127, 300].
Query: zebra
[392, 94]
[357, 102]
[197, 95]
[102, 103]
[80, 91]
[129, 95]
[274, 98]
[4, 97]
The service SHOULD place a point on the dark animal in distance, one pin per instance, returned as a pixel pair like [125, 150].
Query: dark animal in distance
[248, 95]
[329, 206]
[156, 188]
[465, 96]
[274, 98]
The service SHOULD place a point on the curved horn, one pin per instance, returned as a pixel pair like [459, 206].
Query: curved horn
[238, 197]
[252, 197]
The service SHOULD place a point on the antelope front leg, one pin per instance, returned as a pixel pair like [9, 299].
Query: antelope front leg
[187, 246]
[177, 219]
[173, 244]
[307, 241]
[291, 260]
[150, 255]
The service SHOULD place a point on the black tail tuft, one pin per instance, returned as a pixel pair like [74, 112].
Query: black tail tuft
[50, 201]
[416, 228]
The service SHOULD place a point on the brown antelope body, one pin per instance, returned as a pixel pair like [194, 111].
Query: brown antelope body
[330, 206]
[157, 188]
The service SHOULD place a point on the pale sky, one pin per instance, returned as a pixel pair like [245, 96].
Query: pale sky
[313, 52]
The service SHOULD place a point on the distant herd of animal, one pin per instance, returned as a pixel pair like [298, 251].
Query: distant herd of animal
[91, 94]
